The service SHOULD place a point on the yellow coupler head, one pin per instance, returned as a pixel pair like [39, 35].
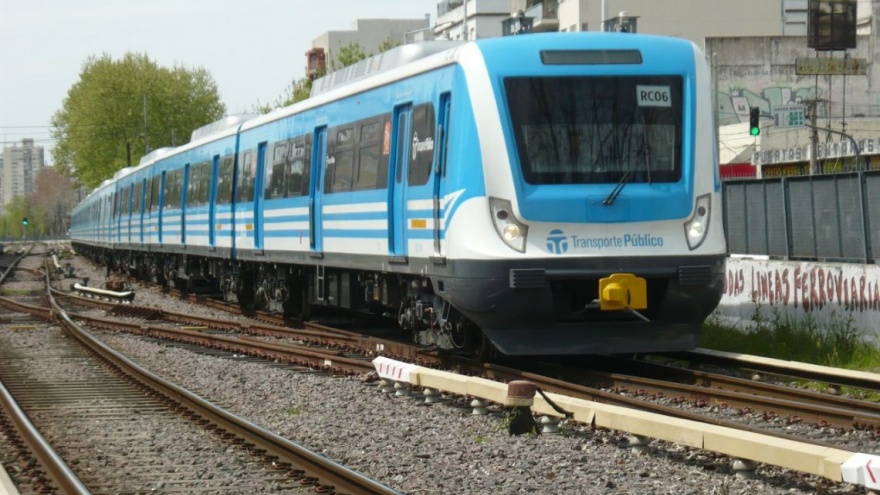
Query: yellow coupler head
[621, 291]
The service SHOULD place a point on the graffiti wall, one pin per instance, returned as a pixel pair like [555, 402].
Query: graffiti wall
[796, 291]
[758, 71]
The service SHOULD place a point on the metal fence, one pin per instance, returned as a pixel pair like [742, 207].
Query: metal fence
[833, 217]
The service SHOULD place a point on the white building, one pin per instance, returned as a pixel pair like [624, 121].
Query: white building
[20, 166]
[368, 34]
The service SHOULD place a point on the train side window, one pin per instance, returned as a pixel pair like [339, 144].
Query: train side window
[204, 182]
[192, 187]
[198, 189]
[298, 167]
[422, 152]
[368, 155]
[126, 201]
[275, 176]
[340, 164]
[136, 198]
[173, 189]
[155, 187]
[224, 180]
[246, 178]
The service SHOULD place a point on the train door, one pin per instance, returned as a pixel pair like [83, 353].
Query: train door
[129, 209]
[147, 214]
[397, 180]
[144, 206]
[183, 201]
[439, 170]
[116, 224]
[316, 189]
[161, 205]
[259, 194]
[138, 212]
[212, 199]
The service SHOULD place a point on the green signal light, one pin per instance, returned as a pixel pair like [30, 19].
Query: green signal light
[754, 121]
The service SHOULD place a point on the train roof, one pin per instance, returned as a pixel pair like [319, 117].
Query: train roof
[391, 59]
[219, 125]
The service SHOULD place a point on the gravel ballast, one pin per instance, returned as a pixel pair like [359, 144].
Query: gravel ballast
[441, 448]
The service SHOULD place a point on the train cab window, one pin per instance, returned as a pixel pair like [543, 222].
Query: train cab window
[224, 180]
[422, 152]
[297, 172]
[581, 130]
[247, 177]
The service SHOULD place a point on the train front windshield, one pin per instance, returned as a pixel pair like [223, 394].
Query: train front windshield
[588, 130]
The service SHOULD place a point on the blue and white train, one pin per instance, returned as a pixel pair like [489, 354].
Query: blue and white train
[545, 194]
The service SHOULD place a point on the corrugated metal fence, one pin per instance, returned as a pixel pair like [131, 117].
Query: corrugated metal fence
[832, 217]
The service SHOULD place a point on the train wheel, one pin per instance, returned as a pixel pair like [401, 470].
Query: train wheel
[471, 342]
[245, 288]
[297, 303]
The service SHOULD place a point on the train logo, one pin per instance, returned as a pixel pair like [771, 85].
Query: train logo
[418, 146]
[557, 242]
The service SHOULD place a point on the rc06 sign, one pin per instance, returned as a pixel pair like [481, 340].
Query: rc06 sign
[653, 96]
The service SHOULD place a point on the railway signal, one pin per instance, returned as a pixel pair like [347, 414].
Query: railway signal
[754, 121]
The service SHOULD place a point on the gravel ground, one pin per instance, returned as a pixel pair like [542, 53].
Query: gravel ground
[442, 448]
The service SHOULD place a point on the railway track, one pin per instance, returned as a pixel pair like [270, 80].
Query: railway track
[676, 392]
[122, 429]
[638, 384]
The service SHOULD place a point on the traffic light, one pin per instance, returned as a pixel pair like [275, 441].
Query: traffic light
[754, 121]
[24, 221]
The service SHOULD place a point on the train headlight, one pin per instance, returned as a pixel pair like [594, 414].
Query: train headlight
[509, 229]
[511, 232]
[696, 227]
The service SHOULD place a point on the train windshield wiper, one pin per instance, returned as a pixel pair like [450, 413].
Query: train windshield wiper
[624, 180]
[627, 177]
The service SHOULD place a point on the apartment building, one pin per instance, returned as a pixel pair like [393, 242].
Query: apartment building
[21, 163]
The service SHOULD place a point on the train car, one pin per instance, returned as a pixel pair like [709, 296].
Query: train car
[544, 194]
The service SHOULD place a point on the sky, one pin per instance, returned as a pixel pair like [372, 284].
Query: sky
[253, 49]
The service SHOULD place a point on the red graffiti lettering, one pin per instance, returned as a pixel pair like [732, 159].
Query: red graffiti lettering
[787, 290]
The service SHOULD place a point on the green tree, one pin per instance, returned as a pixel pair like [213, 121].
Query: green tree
[301, 89]
[297, 91]
[121, 108]
[388, 44]
[348, 54]
[52, 200]
[18, 208]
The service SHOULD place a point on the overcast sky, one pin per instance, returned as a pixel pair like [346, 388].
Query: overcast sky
[252, 48]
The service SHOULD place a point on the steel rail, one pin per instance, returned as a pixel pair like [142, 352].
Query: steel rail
[326, 470]
[781, 368]
[54, 466]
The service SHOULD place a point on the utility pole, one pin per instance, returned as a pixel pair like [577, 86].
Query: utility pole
[814, 139]
[464, 23]
[813, 146]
